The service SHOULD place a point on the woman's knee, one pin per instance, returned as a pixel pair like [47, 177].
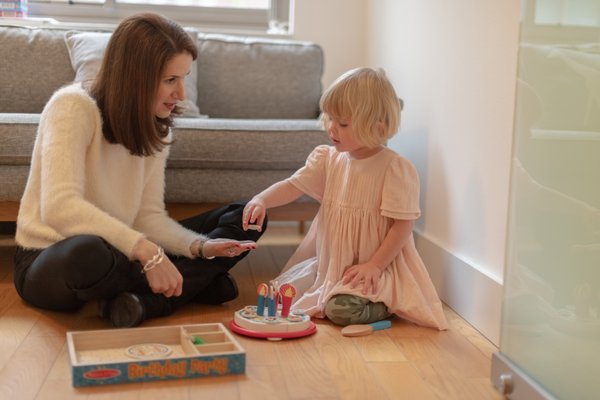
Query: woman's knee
[80, 251]
[230, 224]
[80, 247]
[83, 259]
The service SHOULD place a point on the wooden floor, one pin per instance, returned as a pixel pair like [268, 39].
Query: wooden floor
[404, 362]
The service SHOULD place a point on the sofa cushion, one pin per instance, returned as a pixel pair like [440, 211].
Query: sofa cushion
[233, 159]
[86, 50]
[258, 78]
[34, 64]
[244, 144]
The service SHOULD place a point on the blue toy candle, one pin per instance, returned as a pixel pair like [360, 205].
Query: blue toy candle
[262, 294]
[271, 304]
[260, 307]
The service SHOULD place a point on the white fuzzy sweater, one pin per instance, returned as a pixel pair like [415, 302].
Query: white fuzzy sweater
[81, 184]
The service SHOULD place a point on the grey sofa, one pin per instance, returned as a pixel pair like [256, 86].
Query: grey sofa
[255, 121]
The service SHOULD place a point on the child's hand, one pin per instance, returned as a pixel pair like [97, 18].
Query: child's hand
[254, 213]
[366, 274]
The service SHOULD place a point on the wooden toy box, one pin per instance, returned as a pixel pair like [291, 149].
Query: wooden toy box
[104, 357]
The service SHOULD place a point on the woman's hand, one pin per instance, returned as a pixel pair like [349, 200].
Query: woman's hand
[254, 213]
[226, 247]
[367, 273]
[164, 277]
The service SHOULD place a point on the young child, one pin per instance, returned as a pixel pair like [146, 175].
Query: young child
[358, 263]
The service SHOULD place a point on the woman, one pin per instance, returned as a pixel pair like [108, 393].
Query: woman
[92, 223]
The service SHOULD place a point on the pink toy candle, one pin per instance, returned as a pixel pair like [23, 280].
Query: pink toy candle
[287, 292]
[263, 291]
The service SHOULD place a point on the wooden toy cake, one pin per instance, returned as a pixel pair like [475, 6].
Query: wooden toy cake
[271, 318]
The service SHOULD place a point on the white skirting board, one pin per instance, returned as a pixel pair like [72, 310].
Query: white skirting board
[476, 297]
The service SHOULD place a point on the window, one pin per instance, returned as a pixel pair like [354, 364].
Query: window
[272, 16]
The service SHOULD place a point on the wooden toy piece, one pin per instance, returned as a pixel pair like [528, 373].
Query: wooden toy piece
[365, 329]
[148, 350]
[197, 340]
[287, 292]
[263, 292]
[272, 307]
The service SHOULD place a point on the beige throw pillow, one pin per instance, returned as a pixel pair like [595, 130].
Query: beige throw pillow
[86, 50]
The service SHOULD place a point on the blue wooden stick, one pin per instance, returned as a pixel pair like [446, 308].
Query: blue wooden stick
[379, 325]
[366, 329]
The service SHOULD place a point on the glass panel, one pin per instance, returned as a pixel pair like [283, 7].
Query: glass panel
[567, 12]
[551, 312]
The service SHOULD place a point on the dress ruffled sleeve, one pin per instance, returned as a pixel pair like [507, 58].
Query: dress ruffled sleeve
[311, 177]
[400, 199]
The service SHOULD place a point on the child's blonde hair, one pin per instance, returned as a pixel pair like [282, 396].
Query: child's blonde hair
[367, 97]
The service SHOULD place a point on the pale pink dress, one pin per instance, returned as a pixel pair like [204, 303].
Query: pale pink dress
[359, 201]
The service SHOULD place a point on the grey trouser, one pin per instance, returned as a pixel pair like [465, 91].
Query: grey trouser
[345, 309]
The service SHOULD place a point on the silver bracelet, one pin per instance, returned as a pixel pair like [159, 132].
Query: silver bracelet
[154, 261]
[201, 250]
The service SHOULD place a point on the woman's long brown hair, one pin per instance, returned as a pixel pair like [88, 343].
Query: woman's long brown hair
[128, 80]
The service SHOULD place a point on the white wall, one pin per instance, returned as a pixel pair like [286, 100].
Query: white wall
[454, 64]
[339, 26]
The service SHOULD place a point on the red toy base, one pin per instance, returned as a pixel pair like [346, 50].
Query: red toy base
[273, 335]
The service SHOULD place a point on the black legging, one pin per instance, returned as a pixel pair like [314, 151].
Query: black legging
[81, 268]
